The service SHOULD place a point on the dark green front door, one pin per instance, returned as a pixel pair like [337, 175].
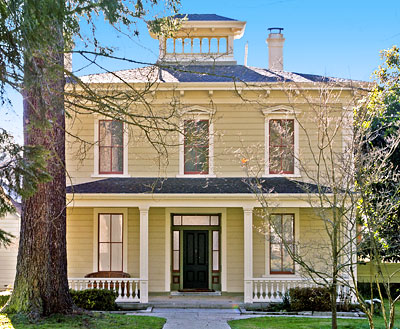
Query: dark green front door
[195, 259]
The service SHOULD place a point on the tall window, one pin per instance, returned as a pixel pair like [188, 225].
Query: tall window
[196, 146]
[111, 147]
[281, 229]
[281, 146]
[110, 242]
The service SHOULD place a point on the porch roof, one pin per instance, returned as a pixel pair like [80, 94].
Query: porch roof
[231, 185]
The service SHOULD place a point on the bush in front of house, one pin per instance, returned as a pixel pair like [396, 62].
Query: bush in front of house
[3, 300]
[95, 299]
[309, 299]
[364, 289]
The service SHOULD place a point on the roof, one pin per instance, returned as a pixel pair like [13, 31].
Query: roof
[204, 17]
[232, 185]
[205, 73]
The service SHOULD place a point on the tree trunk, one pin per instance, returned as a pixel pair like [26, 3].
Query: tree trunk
[41, 284]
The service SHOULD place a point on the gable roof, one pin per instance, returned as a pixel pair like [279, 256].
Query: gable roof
[204, 17]
[231, 185]
[205, 73]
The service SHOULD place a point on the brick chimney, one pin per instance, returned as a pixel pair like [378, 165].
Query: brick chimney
[275, 48]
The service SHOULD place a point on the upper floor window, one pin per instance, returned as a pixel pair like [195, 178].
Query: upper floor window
[281, 141]
[281, 146]
[110, 241]
[281, 234]
[111, 149]
[196, 147]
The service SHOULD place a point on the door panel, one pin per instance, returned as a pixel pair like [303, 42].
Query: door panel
[195, 259]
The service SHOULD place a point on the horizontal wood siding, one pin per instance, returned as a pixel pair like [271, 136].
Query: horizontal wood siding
[133, 242]
[235, 243]
[239, 131]
[10, 223]
[367, 272]
[79, 241]
[157, 249]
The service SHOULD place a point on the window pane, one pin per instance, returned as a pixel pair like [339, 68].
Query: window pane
[116, 257]
[104, 228]
[104, 257]
[117, 154]
[222, 45]
[288, 228]
[275, 258]
[177, 220]
[215, 240]
[175, 265]
[117, 133]
[178, 46]
[215, 260]
[287, 131]
[196, 45]
[190, 160]
[215, 220]
[195, 220]
[116, 228]
[105, 159]
[105, 133]
[274, 160]
[176, 240]
[274, 133]
[287, 262]
[287, 160]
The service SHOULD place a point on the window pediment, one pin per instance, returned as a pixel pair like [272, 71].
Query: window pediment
[196, 110]
[280, 110]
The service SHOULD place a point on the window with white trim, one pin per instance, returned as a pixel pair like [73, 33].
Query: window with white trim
[196, 142]
[281, 142]
[196, 147]
[281, 146]
[281, 234]
[111, 147]
[110, 242]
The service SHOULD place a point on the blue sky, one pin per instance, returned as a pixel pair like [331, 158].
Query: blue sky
[335, 38]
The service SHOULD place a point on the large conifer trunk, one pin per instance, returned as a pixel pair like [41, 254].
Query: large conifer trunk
[41, 284]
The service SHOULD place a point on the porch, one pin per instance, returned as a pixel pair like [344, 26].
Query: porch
[155, 240]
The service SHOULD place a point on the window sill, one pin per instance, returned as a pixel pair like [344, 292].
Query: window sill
[281, 276]
[195, 176]
[282, 175]
[109, 175]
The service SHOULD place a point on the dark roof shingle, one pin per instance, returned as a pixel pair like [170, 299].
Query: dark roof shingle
[203, 17]
[232, 185]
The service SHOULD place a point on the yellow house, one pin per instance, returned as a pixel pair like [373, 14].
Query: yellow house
[150, 224]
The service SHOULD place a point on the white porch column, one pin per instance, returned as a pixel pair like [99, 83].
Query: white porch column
[248, 254]
[144, 254]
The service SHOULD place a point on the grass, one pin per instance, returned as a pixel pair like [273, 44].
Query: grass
[312, 323]
[92, 321]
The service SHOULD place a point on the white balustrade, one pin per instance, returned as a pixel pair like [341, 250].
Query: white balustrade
[128, 289]
[272, 290]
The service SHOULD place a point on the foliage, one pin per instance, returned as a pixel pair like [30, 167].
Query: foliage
[383, 126]
[95, 299]
[365, 289]
[309, 299]
[3, 300]
[94, 320]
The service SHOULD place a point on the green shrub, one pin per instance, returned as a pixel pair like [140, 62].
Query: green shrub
[309, 299]
[365, 289]
[95, 299]
[3, 300]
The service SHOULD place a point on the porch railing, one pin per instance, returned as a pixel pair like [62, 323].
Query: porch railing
[131, 290]
[273, 289]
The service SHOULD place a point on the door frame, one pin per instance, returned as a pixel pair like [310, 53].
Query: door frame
[175, 286]
[206, 210]
[182, 259]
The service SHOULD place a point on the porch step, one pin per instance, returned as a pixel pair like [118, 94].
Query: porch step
[196, 300]
[196, 293]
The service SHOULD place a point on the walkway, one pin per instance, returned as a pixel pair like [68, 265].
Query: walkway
[194, 318]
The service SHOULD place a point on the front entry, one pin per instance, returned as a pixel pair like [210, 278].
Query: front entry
[195, 259]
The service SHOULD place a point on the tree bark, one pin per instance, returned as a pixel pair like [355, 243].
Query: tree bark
[41, 284]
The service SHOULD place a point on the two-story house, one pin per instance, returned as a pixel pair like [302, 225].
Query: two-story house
[188, 222]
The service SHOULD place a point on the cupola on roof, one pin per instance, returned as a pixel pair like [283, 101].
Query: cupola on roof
[202, 39]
